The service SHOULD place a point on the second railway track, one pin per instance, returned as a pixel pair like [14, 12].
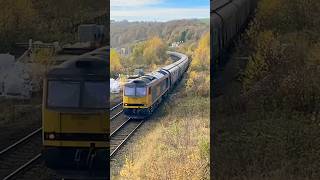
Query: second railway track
[116, 111]
[23, 153]
[20, 154]
[119, 136]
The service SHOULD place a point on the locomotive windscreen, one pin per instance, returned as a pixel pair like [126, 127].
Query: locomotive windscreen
[95, 95]
[73, 94]
[135, 91]
[65, 94]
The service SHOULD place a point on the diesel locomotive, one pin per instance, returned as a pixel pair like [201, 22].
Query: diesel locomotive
[75, 113]
[141, 96]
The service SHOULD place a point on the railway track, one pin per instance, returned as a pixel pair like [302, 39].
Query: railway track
[26, 151]
[20, 155]
[116, 111]
[117, 119]
[119, 136]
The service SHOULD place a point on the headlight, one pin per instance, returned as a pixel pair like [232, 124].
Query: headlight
[51, 136]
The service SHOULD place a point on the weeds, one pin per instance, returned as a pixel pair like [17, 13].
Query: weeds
[269, 128]
[177, 148]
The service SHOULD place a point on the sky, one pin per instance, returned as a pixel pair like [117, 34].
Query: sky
[158, 10]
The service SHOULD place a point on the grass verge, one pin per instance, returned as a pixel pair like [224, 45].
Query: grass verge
[178, 145]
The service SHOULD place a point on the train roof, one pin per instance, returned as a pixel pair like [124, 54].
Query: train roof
[158, 74]
[182, 58]
[91, 64]
[146, 79]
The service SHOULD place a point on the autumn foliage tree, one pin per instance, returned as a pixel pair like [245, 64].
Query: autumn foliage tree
[155, 51]
[199, 76]
[201, 56]
[178, 30]
[149, 53]
[281, 40]
[115, 63]
[15, 17]
[50, 20]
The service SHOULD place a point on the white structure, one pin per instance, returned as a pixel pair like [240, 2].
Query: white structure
[176, 44]
[114, 86]
[15, 79]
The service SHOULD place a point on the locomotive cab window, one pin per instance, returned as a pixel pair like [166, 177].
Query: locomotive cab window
[94, 95]
[135, 91]
[63, 94]
[129, 91]
[141, 91]
[77, 94]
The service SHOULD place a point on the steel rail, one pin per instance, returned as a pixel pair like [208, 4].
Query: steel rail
[114, 107]
[116, 115]
[22, 167]
[124, 123]
[20, 141]
[124, 140]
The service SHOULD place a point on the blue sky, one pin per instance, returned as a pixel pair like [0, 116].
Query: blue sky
[158, 10]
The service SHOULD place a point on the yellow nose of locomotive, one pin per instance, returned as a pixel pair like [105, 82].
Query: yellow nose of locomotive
[135, 102]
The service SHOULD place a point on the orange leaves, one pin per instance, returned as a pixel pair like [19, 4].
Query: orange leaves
[198, 82]
[201, 56]
[115, 64]
[154, 51]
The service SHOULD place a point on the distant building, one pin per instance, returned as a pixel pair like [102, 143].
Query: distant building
[176, 44]
[123, 51]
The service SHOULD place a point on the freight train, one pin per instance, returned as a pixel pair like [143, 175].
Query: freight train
[228, 18]
[142, 95]
[75, 113]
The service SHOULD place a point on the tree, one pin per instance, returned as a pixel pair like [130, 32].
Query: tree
[155, 51]
[201, 56]
[115, 63]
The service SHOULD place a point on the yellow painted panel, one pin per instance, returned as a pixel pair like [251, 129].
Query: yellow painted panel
[75, 143]
[137, 100]
[73, 123]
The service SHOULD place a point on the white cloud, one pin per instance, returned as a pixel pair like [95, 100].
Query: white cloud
[159, 14]
[133, 3]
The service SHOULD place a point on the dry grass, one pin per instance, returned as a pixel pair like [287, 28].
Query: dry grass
[177, 148]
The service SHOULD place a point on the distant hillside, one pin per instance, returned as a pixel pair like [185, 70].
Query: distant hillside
[205, 20]
[124, 32]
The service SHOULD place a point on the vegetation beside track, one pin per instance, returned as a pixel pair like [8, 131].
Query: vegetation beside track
[267, 120]
[47, 21]
[177, 146]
